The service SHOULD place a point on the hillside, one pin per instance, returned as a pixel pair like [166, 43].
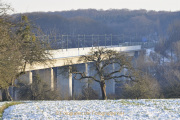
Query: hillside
[135, 25]
[91, 21]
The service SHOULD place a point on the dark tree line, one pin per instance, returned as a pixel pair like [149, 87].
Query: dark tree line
[91, 21]
[167, 63]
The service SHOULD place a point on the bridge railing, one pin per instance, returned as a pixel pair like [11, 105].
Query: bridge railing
[82, 41]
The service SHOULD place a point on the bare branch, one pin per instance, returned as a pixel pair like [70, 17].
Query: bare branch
[83, 76]
[120, 76]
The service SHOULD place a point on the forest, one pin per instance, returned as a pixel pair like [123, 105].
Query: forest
[90, 21]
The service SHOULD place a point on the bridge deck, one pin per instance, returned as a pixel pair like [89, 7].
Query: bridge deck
[62, 57]
[74, 52]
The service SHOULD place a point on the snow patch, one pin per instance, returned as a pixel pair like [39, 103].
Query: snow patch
[95, 109]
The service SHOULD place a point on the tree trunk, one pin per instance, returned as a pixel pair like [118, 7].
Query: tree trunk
[103, 90]
[6, 95]
[1, 95]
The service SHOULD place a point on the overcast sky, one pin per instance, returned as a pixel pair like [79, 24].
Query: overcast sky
[21, 6]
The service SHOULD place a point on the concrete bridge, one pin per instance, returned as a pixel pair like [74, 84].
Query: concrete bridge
[68, 57]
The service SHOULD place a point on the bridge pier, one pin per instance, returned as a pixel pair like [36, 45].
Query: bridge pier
[70, 81]
[30, 77]
[52, 78]
[87, 74]
[136, 54]
[110, 84]
[64, 82]
[113, 81]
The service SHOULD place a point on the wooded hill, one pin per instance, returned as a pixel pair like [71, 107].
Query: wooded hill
[137, 23]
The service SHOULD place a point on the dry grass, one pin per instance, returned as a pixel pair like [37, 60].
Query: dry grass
[6, 105]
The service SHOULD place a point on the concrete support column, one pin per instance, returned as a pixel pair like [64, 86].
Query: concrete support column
[113, 81]
[87, 74]
[0, 95]
[30, 77]
[70, 81]
[136, 54]
[124, 73]
[110, 84]
[16, 94]
[52, 79]
[100, 88]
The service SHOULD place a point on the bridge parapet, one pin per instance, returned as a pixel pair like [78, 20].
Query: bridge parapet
[74, 52]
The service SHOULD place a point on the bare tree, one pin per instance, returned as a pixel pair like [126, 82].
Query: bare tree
[31, 47]
[4, 9]
[9, 53]
[167, 74]
[147, 85]
[18, 46]
[169, 46]
[102, 59]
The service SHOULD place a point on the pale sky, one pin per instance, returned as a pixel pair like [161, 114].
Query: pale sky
[21, 6]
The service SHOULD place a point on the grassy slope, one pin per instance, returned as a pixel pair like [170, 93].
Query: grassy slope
[6, 105]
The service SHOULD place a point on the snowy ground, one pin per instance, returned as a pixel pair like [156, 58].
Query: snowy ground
[95, 109]
[2, 103]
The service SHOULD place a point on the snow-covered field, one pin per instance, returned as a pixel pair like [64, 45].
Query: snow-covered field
[2, 103]
[95, 109]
